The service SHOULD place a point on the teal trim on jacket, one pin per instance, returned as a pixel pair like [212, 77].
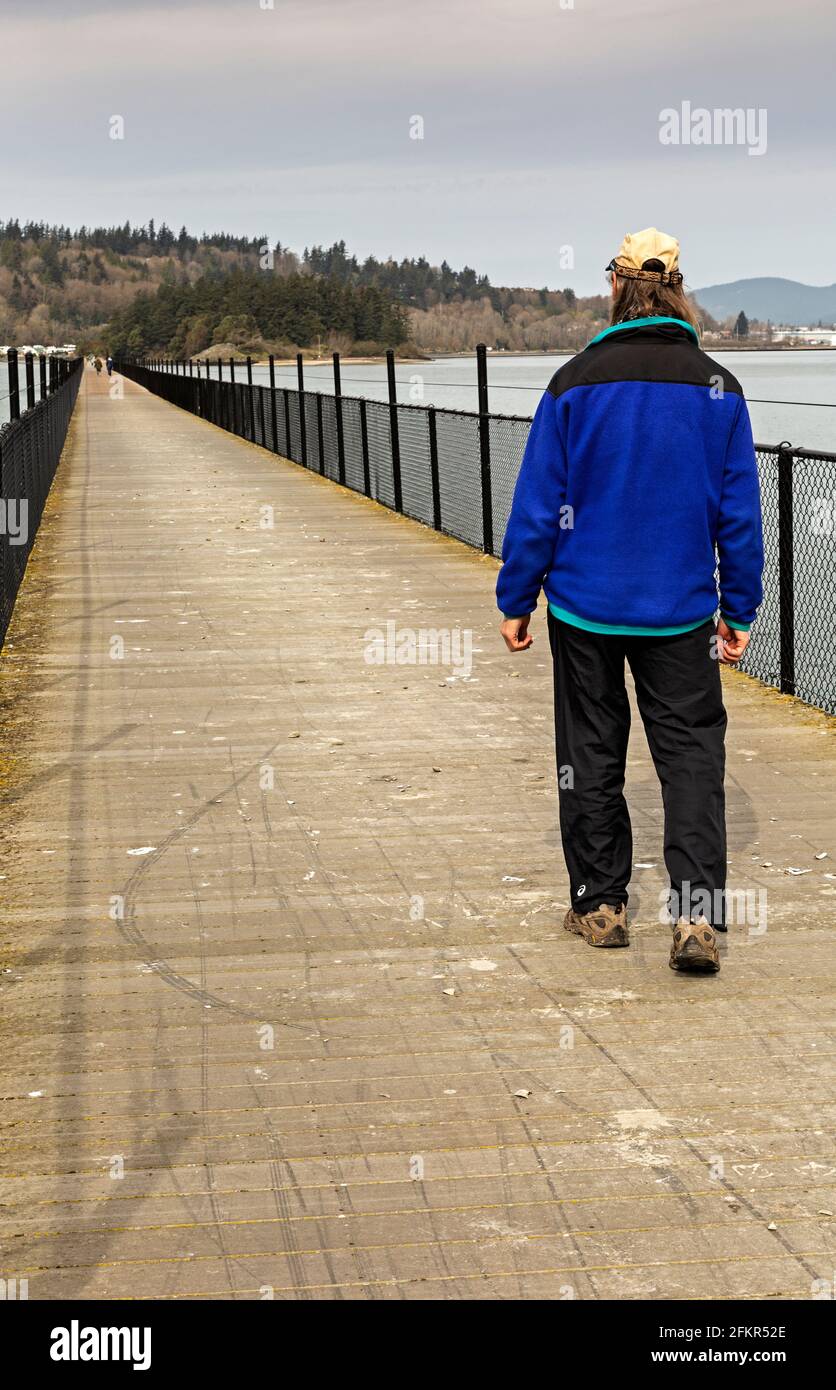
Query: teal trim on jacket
[615, 631]
[575, 621]
[644, 323]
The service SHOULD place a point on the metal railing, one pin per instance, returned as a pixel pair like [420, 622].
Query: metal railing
[31, 441]
[455, 470]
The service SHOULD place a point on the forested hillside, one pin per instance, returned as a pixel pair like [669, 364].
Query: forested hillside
[257, 312]
[148, 290]
[59, 285]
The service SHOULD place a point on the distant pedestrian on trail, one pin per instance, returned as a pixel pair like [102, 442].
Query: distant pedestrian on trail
[638, 477]
[109, 365]
[98, 365]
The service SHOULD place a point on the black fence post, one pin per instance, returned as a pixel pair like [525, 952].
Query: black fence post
[320, 437]
[436, 484]
[251, 398]
[262, 418]
[485, 447]
[364, 445]
[286, 396]
[29, 363]
[786, 589]
[42, 373]
[303, 432]
[220, 369]
[338, 415]
[234, 395]
[273, 419]
[393, 429]
[14, 384]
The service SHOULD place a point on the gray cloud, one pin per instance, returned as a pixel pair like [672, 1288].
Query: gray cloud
[541, 126]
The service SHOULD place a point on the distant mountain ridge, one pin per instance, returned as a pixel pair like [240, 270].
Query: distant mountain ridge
[770, 297]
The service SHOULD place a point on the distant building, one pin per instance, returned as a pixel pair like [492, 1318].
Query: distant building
[810, 337]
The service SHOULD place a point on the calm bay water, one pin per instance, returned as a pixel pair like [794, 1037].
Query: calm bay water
[516, 383]
[4, 389]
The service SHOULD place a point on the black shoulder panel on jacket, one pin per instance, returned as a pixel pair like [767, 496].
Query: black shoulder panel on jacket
[661, 352]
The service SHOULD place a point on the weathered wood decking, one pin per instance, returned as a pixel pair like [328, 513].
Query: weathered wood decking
[285, 1002]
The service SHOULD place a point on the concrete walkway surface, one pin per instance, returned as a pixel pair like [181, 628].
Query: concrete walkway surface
[286, 1008]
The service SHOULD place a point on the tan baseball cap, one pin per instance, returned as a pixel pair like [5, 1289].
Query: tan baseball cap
[649, 245]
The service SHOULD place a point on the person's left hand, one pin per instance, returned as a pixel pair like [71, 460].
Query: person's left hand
[733, 643]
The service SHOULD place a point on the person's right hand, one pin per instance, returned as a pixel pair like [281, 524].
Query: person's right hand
[516, 633]
[733, 643]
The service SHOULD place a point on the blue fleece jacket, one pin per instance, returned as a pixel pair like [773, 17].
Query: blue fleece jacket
[639, 475]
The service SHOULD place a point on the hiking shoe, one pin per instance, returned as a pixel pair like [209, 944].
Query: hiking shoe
[604, 926]
[694, 947]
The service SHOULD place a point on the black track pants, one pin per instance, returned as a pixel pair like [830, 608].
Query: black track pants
[677, 684]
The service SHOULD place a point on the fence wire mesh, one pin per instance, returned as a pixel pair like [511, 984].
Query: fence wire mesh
[438, 468]
[30, 448]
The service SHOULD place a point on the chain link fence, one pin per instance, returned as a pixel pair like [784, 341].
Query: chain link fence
[792, 641]
[30, 448]
[455, 470]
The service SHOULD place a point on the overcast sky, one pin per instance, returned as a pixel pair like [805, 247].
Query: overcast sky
[541, 127]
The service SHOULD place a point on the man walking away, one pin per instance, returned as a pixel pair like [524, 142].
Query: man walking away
[639, 476]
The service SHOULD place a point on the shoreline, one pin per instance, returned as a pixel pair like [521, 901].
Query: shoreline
[467, 355]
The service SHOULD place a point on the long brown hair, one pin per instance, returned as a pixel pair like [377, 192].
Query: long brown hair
[637, 299]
